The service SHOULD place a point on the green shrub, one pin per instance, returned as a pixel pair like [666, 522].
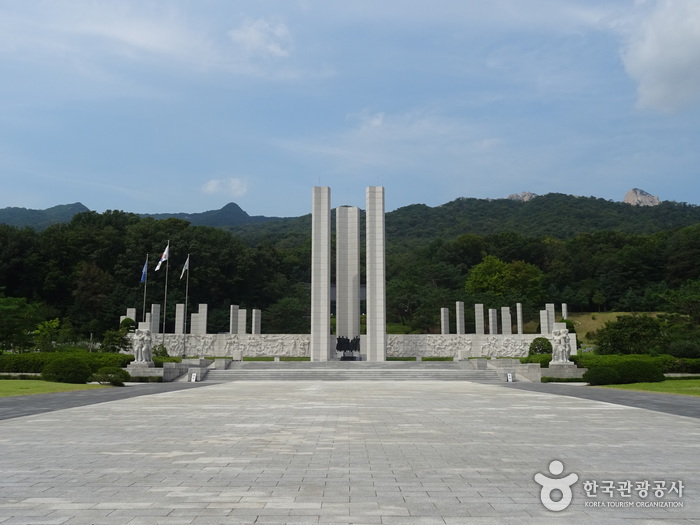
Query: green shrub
[67, 369]
[147, 379]
[98, 360]
[684, 348]
[639, 372]
[158, 361]
[115, 341]
[542, 359]
[560, 380]
[26, 363]
[602, 375]
[631, 334]
[159, 350]
[540, 345]
[111, 375]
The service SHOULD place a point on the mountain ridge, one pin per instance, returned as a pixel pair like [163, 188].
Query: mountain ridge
[554, 214]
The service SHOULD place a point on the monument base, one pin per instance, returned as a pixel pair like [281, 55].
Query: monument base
[564, 371]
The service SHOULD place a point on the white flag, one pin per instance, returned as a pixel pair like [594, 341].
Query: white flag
[186, 267]
[163, 257]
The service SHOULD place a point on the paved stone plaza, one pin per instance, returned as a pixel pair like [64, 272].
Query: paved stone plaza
[341, 452]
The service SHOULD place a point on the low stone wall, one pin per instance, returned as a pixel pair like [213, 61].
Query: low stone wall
[297, 345]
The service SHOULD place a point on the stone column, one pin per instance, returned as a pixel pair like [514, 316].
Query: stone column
[544, 323]
[155, 319]
[233, 319]
[519, 317]
[320, 347]
[376, 275]
[242, 321]
[347, 273]
[564, 311]
[479, 319]
[444, 321]
[179, 318]
[550, 317]
[200, 319]
[459, 312]
[255, 329]
[493, 321]
[506, 321]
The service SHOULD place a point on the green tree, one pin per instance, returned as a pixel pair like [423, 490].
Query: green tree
[18, 321]
[46, 333]
[115, 341]
[686, 300]
[631, 334]
[509, 282]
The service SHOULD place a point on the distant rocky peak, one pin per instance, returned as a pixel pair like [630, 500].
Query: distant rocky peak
[637, 197]
[522, 197]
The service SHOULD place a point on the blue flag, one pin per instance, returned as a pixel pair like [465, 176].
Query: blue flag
[143, 272]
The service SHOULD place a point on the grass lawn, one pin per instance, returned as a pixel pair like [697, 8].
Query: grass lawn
[684, 387]
[16, 387]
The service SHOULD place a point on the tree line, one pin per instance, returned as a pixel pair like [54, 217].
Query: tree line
[87, 272]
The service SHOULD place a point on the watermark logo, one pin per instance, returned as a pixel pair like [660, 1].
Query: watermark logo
[550, 485]
[556, 491]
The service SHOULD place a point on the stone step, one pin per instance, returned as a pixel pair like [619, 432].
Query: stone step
[350, 365]
[300, 374]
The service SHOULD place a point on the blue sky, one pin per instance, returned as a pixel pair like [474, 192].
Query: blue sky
[184, 106]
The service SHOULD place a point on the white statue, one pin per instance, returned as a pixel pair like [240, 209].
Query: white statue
[142, 346]
[566, 351]
[557, 346]
[561, 347]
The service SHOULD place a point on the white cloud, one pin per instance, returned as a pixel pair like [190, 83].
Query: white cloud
[79, 29]
[412, 141]
[233, 187]
[663, 55]
[261, 37]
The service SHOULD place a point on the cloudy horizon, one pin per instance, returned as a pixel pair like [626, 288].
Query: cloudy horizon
[174, 106]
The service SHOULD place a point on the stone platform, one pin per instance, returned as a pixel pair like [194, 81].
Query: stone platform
[374, 452]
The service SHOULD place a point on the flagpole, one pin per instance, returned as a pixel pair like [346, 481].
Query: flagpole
[187, 291]
[145, 285]
[165, 298]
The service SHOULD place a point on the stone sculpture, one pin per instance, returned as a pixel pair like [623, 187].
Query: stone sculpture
[142, 346]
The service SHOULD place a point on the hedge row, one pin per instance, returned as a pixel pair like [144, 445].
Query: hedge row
[666, 363]
[542, 359]
[35, 362]
[632, 371]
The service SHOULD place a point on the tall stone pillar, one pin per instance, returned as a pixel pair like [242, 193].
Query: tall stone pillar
[155, 319]
[544, 323]
[506, 321]
[550, 317]
[320, 347]
[242, 321]
[179, 318]
[519, 317]
[376, 275]
[459, 312]
[493, 321]
[256, 326]
[479, 319]
[233, 319]
[444, 321]
[564, 311]
[347, 273]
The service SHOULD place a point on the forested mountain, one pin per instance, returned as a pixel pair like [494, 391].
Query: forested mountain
[552, 215]
[40, 219]
[87, 272]
[228, 216]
